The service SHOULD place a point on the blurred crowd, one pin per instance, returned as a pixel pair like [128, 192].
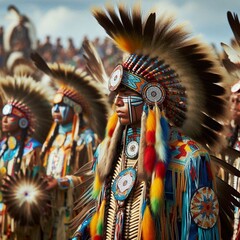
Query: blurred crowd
[54, 51]
[72, 54]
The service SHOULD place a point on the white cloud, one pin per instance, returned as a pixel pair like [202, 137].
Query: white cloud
[65, 22]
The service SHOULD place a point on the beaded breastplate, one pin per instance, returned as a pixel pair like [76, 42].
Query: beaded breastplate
[124, 193]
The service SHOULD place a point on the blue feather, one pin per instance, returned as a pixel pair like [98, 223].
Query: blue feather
[165, 129]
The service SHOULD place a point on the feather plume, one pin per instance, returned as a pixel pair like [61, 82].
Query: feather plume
[93, 224]
[112, 123]
[231, 59]
[235, 25]
[162, 137]
[148, 225]
[94, 65]
[232, 54]
[156, 194]
[150, 152]
[97, 237]
[96, 186]
[160, 170]
[151, 121]
[149, 159]
[226, 166]
[101, 218]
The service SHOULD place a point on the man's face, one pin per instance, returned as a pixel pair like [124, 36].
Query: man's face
[129, 106]
[62, 113]
[235, 107]
[10, 124]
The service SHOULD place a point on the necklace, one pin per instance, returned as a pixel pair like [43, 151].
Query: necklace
[124, 182]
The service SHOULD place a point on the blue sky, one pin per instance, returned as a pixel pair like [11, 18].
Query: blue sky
[73, 18]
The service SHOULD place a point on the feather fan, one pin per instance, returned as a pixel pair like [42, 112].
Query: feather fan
[25, 196]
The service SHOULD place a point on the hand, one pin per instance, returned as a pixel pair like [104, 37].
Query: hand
[52, 183]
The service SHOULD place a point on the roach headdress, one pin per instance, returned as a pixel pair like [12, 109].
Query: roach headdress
[168, 67]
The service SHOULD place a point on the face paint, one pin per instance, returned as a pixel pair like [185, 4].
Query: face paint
[10, 124]
[60, 112]
[129, 109]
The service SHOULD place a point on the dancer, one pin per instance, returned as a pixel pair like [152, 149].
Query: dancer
[152, 180]
[79, 112]
[25, 123]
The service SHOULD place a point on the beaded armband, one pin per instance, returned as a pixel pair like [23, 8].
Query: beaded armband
[65, 182]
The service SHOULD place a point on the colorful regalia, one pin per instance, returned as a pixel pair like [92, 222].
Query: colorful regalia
[27, 106]
[71, 144]
[153, 178]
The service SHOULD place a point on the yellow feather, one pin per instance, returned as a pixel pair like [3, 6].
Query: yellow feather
[96, 185]
[157, 188]
[151, 121]
[112, 122]
[148, 225]
[128, 43]
[93, 225]
[102, 209]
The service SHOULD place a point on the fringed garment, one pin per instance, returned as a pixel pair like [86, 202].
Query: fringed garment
[58, 165]
[190, 208]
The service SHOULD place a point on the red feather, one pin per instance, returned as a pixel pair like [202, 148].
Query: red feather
[110, 133]
[160, 170]
[150, 137]
[149, 159]
[97, 237]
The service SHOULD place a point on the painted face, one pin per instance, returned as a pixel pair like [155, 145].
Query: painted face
[129, 106]
[235, 107]
[10, 124]
[62, 113]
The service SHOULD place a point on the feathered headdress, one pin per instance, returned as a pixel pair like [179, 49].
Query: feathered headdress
[168, 66]
[81, 90]
[232, 59]
[31, 100]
